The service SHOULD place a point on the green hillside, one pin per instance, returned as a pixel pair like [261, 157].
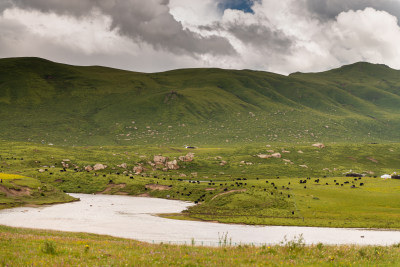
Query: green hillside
[47, 102]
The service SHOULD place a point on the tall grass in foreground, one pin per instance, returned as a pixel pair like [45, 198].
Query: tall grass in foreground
[24, 247]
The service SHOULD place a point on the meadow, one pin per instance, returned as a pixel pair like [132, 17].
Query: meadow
[230, 184]
[17, 190]
[52, 103]
[59, 121]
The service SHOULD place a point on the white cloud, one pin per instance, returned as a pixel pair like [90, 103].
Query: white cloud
[80, 41]
[146, 21]
[280, 36]
[367, 35]
[194, 12]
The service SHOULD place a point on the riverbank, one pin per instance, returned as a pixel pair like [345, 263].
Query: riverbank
[18, 190]
[306, 186]
[135, 218]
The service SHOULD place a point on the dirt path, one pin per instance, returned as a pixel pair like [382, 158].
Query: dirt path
[158, 187]
[228, 192]
[111, 187]
[21, 191]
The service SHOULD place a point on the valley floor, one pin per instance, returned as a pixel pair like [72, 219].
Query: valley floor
[305, 185]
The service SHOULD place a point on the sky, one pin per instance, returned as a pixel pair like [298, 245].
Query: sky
[282, 36]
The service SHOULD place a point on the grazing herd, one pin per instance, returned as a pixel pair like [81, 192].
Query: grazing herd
[316, 181]
[274, 189]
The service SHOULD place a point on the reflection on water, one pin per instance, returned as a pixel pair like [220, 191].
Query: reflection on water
[133, 217]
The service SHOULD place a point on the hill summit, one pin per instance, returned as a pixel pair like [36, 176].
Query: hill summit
[43, 101]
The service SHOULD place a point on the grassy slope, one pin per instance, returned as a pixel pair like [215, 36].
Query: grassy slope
[48, 102]
[16, 190]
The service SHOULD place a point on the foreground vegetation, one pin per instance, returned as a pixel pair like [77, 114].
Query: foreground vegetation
[25, 247]
[230, 184]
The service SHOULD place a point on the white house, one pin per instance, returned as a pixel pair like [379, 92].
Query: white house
[386, 176]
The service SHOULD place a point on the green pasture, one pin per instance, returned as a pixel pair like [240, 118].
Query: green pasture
[51, 103]
[230, 184]
[16, 190]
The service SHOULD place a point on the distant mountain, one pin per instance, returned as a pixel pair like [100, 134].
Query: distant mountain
[43, 101]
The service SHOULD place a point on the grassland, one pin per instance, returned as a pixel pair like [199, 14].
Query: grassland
[24, 247]
[57, 119]
[232, 184]
[16, 190]
[46, 102]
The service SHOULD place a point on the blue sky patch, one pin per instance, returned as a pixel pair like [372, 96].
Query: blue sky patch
[244, 5]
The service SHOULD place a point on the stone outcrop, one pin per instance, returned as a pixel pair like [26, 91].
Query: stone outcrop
[88, 168]
[276, 155]
[172, 165]
[188, 158]
[99, 167]
[160, 159]
[319, 145]
[138, 169]
[123, 165]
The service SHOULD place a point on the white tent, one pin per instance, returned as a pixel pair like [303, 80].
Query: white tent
[386, 176]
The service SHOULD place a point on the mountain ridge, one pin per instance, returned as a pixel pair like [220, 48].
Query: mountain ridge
[83, 105]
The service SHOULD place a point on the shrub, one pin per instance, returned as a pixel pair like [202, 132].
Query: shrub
[49, 247]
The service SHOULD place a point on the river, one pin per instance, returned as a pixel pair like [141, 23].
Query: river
[134, 217]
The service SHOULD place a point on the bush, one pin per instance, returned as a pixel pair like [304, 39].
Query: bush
[49, 247]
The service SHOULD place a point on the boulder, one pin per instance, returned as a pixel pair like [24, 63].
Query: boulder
[304, 166]
[223, 163]
[319, 145]
[41, 170]
[188, 158]
[88, 168]
[264, 156]
[123, 165]
[276, 155]
[172, 165]
[160, 159]
[99, 166]
[138, 169]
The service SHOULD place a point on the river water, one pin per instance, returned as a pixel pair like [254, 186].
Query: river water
[134, 217]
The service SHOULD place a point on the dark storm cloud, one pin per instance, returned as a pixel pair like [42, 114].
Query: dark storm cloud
[144, 21]
[329, 9]
[261, 36]
[4, 5]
